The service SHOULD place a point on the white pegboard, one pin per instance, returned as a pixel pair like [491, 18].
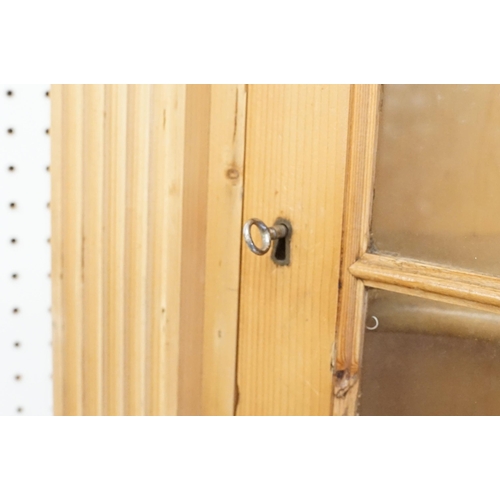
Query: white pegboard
[25, 322]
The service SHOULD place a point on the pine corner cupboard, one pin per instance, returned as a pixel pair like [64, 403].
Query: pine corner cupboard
[384, 300]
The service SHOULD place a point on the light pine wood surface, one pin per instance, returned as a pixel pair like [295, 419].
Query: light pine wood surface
[115, 140]
[131, 169]
[445, 284]
[295, 160]
[356, 229]
[92, 244]
[223, 245]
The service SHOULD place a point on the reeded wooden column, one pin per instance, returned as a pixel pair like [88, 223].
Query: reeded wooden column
[134, 171]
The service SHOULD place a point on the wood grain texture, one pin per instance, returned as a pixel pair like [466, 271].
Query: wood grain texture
[295, 164]
[92, 242]
[223, 246]
[446, 284]
[173, 223]
[71, 248]
[192, 289]
[115, 173]
[129, 214]
[164, 247]
[136, 246]
[116, 247]
[356, 230]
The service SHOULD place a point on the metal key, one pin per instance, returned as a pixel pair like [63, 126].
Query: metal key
[268, 234]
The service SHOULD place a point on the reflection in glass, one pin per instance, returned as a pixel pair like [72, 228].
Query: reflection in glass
[429, 358]
[437, 181]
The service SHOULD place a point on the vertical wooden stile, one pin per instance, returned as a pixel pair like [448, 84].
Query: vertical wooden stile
[194, 220]
[356, 238]
[223, 244]
[295, 160]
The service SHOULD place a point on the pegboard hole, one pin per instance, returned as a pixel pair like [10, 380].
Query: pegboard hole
[25, 115]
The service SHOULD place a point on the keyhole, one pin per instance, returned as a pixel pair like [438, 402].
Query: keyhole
[281, 249]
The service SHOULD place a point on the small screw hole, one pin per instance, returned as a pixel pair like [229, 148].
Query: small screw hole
[15, 276]
[19, 409]
[12, 205]
[13, 241]
[10, 130]
[18, 377]
[10, 93]
[17, 344]
[15, 310]
[11, 168]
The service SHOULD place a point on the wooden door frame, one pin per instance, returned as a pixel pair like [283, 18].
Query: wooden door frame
[363, 127]
[362, 269]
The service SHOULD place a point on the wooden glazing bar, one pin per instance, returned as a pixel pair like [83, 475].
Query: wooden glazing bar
[428, 280]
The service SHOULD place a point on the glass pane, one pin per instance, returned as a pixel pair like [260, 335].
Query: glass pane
[429, 358]
[437, 181]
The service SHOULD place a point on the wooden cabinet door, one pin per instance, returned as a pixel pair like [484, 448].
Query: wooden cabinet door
[157, 306]
[295, 157]
[427, 255]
